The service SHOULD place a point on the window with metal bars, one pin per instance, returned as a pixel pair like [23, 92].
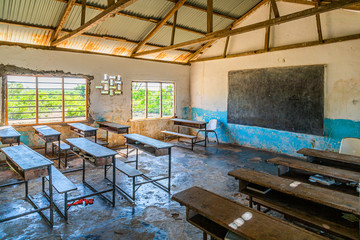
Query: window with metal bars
[43, 99]
[152, 99]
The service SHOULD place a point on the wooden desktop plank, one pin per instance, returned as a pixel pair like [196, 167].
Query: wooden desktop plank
[82, 127]
[327, 197]
[224, 211]
[148, 141]
[46, 131]
[91, 148]
[317, 168]
[8, 132]
[26, 158]
[187, 121]
[330, 156]
[113, 125]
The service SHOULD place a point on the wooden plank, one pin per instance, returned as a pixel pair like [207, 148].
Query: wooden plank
[110, 2]
[127, 169]
[226, 46]
[158, 26]
[318, 23]
[275, 8]
[113, 125]
[336, 173]
[173, 29]
[91, 148]
[224, 211]
[46, 131]
[322, 2]
[62, 20]
[267, 32]
[330, 156]
[83, 11]
[252, 27]
[334, 199]
[8, 132]
[178, 134]
[148, 141]
[26, 158]
[121, 4]
[82, 127]
[63, 145]
[314, 215]
[189, 123]
[210, 16]
[61, 183]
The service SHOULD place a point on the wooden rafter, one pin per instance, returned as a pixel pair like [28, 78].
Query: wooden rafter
[210, 11]
[173, 29]
[275, 8]
[96, 20]
[267, 31]
[62, 20]
[323, 2]
[226, 46]
[139, 17]
[83, 11]
[256, 26]
[158, 26]
[318, 24]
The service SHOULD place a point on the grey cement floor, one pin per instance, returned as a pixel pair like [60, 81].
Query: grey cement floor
[154, 216]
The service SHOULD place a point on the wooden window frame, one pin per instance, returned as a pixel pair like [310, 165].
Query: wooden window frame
[146, 99]
[87, 85]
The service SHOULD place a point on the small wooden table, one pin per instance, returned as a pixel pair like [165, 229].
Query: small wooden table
[191, 124]
[114, 128]
[8, 135]
[49, 135]
[155, 148]
[97, 155]
[216, 215]
[83, 130]
[30, 165]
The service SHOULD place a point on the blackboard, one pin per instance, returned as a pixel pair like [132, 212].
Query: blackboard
[287, 98]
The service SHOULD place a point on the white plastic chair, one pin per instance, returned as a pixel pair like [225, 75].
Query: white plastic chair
[210, 127]
[350, 146]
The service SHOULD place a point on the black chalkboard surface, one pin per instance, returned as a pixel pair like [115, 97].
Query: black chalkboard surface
[288, 98]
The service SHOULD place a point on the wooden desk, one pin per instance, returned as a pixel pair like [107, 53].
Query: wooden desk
[114, 128]
[49, 135]
[30, 165]
[330, 198]
[214, 215]
[191, 124]
[97, 155]
[8, 135]
[155, 148]
[83, 130]
[346, 160]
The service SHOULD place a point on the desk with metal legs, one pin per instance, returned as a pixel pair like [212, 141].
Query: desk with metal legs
[97, 155]
[49, 135]
[8, 135]
[114, 128]
[83, 130]
[191, 124]
[30, 165]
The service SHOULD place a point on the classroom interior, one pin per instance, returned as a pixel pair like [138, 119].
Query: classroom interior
[179, 119]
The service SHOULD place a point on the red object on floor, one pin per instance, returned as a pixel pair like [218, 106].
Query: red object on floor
[80, 201]
[89, 201]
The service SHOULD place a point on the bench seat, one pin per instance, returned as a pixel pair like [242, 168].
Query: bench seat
[179, 134]
[60, 182]
[98, 141]
[63, 145]
[127, 169]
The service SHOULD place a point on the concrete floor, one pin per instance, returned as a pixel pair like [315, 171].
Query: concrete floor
[154, 216]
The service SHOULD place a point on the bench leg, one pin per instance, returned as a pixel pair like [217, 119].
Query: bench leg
[204, 236]
[133, 189]
[250, 202]
[66, 207]
[66, 158]
[137, 158]
[258, 207]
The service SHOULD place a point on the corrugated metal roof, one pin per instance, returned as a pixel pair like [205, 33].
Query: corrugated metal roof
[47, 13]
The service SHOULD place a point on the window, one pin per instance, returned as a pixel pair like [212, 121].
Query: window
[152, 99]
[41, 99]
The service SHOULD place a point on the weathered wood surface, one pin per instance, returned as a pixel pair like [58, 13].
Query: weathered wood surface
[61, 183]
[127, 169]
[223, 211]
[189, 123]
[178, 134]
[311, 214]
[63, 146]
[90, 147]
[26, 158]
[98, 141]
[336, 173]
[8, 132]
[82, 127]
[147, 141]
[46, 131]
[113, 127]
[330, 156]
[327, 197]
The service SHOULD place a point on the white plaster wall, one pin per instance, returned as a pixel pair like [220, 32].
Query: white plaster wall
[112, 108]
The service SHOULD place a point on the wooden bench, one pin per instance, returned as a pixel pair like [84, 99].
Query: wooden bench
[63, 147]
[181, 135]
[338, 200]
[342, 160]
[128, 171]
[285, 165]
[62, 185]
[98, 141]
[216, 215]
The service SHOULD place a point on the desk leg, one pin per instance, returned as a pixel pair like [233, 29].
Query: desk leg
[107, 136]
[205, 136]
[204, 236]
[169, 183]
[114, 180]
[45, 147]
[137, 158]
[83, 170]
[59, 152]
[95, 137]
[18, 141]
[51, 197]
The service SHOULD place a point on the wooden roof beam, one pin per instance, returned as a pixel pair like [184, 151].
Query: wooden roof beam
[96, 20]
[62, 20]
[210, 11]
[158, 26]
[139, 17]
[323, 2]
[283, 19]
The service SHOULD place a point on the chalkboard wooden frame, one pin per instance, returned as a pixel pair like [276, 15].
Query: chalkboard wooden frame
[283, 98]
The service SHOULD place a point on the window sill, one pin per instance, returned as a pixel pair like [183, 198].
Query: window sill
[55, 123]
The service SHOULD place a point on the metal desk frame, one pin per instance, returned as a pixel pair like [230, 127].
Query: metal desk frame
[191, 124]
